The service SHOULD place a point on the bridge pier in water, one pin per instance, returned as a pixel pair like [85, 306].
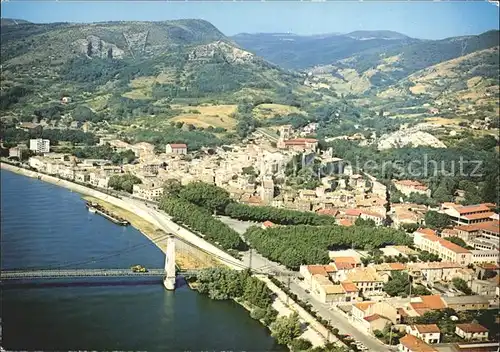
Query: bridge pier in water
[169, 280]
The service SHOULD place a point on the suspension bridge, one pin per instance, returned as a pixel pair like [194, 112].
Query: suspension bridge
[70, 270]
[84, 273]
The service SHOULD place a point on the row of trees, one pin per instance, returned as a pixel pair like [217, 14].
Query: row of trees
[201, 221]
[296, 245]
[276, 215]
[218, 200]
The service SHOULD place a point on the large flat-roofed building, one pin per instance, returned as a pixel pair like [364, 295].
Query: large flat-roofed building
[469, 214]
[446, 250]
[461, 303]
[40, 145]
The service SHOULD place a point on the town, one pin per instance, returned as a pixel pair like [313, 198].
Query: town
[426, 295]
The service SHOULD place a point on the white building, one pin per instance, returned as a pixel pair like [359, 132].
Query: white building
[40, 145]
[179, 148]
[429, 333]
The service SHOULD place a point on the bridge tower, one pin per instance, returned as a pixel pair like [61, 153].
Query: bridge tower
[169, 280]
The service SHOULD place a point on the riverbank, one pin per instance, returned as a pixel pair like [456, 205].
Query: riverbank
[157, 219]
[139, 215]
[119, 207]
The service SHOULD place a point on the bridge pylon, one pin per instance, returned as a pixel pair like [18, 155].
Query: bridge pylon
[169, 280]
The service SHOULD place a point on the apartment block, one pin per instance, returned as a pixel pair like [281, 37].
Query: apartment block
[446, 250]
[40, 145]
[469, 214]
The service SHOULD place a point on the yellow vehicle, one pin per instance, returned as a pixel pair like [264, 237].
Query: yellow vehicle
[139, 269]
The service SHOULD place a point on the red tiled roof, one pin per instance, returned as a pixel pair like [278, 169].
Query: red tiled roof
[364, 305]
[472, 209]
[371, 213]
[320, 269]
[178, 145]
[268, 223]
[426, 328]
[472, 328]
[332, 212]
[254, 200]
[349, 286]
[349, 260]
[478, 216]
[490, 226]
[353, 212]
[412, 184]
[447, 244]
[397, 266]
[344, 266]
[468, 228]
[374, 317]
[433, 301]
[426, 231]
[415, 345]
[452, 246]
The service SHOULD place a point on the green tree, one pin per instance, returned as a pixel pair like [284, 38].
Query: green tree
[457, 240]
[258, 313]
[172, 187]
[363, 222]
[398, 285]
[410, 228]
[461, 285]
[257, 293]
[285, 329]
[206, 195]
[298, 345]
[123, 182]
[201, 221]
[437, 220]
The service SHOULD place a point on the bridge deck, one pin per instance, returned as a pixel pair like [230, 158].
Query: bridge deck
[75, 273]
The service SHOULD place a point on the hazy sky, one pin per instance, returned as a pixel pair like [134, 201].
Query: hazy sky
[429, 20]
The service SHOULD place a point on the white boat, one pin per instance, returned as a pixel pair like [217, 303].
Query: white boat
[92, 209]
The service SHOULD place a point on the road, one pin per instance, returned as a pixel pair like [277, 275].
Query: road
[283, 274]
[338, 320]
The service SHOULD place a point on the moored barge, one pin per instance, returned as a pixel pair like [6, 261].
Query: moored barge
[96, 208]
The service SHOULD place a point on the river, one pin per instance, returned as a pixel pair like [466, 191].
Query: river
[45, 226]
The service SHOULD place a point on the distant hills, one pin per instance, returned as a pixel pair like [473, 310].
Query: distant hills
[302, 52]
[126, 69]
